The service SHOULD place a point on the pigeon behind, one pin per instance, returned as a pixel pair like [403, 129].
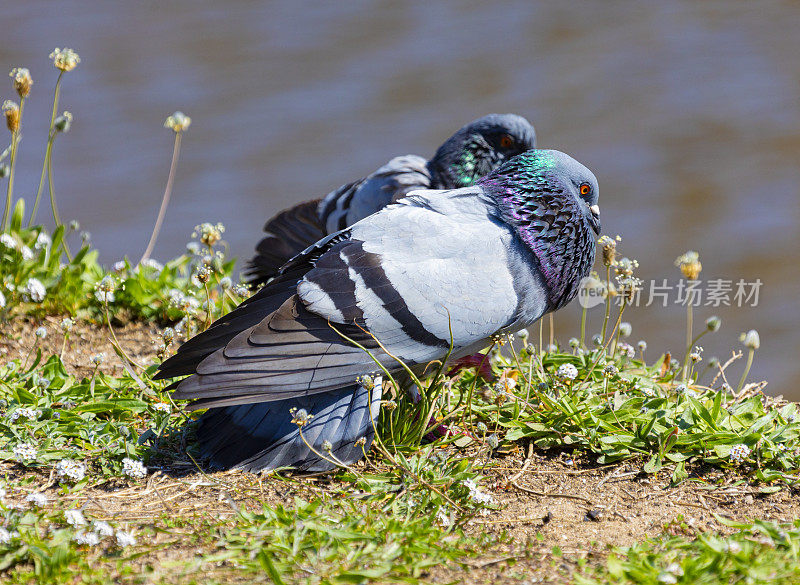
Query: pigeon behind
[437, 267]
[475, 150]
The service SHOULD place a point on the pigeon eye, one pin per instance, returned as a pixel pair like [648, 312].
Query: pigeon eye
[586, 189]
[506, 141]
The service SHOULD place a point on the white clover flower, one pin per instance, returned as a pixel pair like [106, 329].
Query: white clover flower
[241, 290]
[69, 469]
[168, 336]
[27, 253]
[566, 372]
[642, 344]
[36, 499]
[209, 233]
[627, 350]
[6, 536]
[162, 407]
[104, 297]
[102, 528]
[225, 282]
[67, 324]
[476, 494]
[98, 358]
[25, 451]
[751, 340]
[8, 241]
[523, 334]
[125, 539]
[35, 290]
[42, 241]
[625, 329]
[74, 518]
[443, 518]
[133, 468]
[153, 264]
[2, 300]
[41, 332]
[178, 122]
[25, 412]
[739, 453]
[87, 538]
[65, 59]
[119, 266]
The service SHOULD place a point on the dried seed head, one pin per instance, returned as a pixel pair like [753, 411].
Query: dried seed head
[22, 81]
[65, 59]
[689, 264]
[178, 122]
[609, 250]
[11, 112]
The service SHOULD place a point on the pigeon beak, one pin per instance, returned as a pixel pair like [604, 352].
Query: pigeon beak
[595, 209]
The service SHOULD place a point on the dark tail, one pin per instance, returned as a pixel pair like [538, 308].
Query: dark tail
[262, 436]
[288, 233]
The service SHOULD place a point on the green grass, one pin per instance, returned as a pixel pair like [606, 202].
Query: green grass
[759, 552]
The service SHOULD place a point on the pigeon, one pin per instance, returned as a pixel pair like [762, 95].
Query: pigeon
[473, 151]
[437, 274]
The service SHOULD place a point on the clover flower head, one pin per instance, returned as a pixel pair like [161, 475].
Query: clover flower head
[102, 528]
[11, 112]
[66, 324]
[327, 446]
[492, 441]
[43, 241]
[625, 329]
[8, 241]
[162, 407]
[627, 350]
[70, 470]
[367, 381]
[98, 358]
[739, 453]
[361, 442]
[642, 345]
[125, 538]
[751, 339]
[202, 274]
[713, 323]
[65, 59]
[25, 412]
[611, 371]
[22, 81]
[241, 290]
[475, 493]
[209, 233]
[178, 122]
[6, 536]
[133, 468]
[566, 372]
[37, 499]
[41, 332]
[689, 264]
[74, 518]
[34, 290]
[300, 416]
[86, 538]
[25, 452]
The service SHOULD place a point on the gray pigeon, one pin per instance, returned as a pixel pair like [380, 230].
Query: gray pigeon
[477, 261]
[473, 151]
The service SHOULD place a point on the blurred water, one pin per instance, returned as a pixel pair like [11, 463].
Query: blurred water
[689, 114]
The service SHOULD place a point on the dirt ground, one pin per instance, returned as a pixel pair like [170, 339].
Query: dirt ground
[546, 500]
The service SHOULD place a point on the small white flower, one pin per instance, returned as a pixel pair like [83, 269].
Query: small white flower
[36, 499]
[739, 453]
[42, 241]
[102, 528]
[8, 241]
[642, 345]
[567, 372]
[98, 358]
[178, 122]
[119, 266]
[87, 538]
[225, 282]
[162, 407]
[153, 264]
[41, 332]
[133, 468]
[125, 538]
[627, 350]
[241, 291]
[25, 451]
[67, 324]
[5, 536]
[74, 518]
[27, 253]
[25, 412]
[69, 469]
[2, 300]
[104, 296]
[35, 290]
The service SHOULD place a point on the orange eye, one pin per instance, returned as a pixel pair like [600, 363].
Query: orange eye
[506, 141]
[586, 189]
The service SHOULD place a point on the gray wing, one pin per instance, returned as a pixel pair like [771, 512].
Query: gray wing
[355, 201]
[409, 275]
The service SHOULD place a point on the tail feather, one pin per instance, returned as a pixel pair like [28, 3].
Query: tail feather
[288, 233]
[262, 436]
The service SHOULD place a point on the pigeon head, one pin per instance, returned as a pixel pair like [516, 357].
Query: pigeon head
[550, 200]
[480, 147]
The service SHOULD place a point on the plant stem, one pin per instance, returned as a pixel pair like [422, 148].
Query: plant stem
[608, 302]
[53, 201]
[12, 160]
[740, 385]
[689, 323]
[583, 327]
[165, 200]
[50, 137]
